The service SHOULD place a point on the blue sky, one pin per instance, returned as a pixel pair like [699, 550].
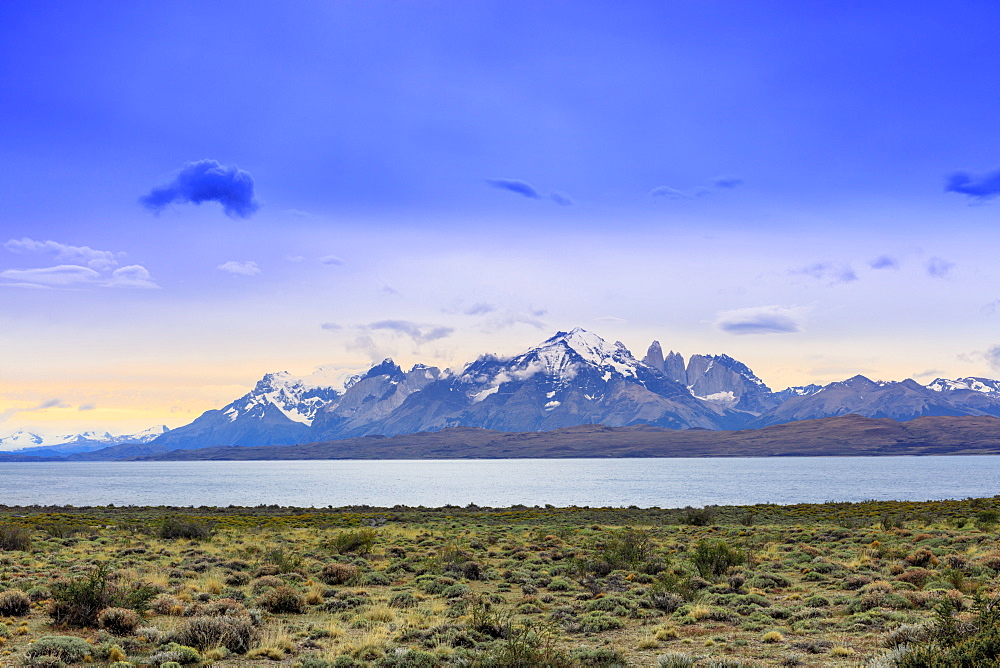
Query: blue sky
[193, 194]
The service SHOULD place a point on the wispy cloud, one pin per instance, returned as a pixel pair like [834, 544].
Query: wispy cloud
[333, 260]
[977, 187]
[760, 320]
[666, 192]
[727, 182]
[248, 268]
[561, 199]
[884, 262]
[44, 405]
[831, 273]
[992, 357]
[132, 276]
[515, 186]
[719, 183]
[86, 407]
[419, 333]
[938, 267]
[95, 259]
[61, 276]
[207, 181]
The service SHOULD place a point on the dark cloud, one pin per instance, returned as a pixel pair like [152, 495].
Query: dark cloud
[515, 186]
[727, 182]
[48, 403]
[419, 333]
[759, 320]
[938, 267]
[831, 273]
[331, 326]
[332, 260]
[978, 187]
[884, 262]
[207, 181]
[86, 407]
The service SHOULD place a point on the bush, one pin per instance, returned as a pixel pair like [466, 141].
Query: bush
[338, 574]
[597, 621]
[625, 549]
[119, 621]
[78, 602]
[65, 648]
[674, 660]
[183, 527]
[282, 599]
[356, 541]
[175, 654]
[714, 559]
[234, 632]
[14, 603]
[14, 537]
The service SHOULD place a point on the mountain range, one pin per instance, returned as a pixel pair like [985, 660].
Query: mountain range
[571, 379]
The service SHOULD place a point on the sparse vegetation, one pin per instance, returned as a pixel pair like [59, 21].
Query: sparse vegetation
[808, 585]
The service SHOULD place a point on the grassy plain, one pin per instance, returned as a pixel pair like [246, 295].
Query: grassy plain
[836, 584]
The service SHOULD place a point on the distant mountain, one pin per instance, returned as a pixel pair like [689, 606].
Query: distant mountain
[849, 435]
[571, 379]
[279, 410]
[26, 443]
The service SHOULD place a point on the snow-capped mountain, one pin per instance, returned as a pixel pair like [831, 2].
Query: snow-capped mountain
[28, 443]
[572, 378]
[277, 411]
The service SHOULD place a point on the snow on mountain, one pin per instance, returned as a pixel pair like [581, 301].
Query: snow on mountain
[23, 442]
[983, 385]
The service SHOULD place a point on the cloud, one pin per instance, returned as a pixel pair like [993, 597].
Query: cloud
[132, 276]
[515, 186]
[992, 357]
[62, 276]
[331, 326]
[884, 262]
[248, 268]
[936, 373]
[830, 273]
[611, 318]
[419, 333]
[992, 307]
[207, 181]
[48, 403]
[727, 182]
[977, 187]
[95, 259]
[86, 407]
[666, 192]
[332, 260]
[479, 308]
[760, 320]
[938, 267]
[561, 199]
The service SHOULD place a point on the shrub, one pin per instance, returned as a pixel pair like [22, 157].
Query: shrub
[356, 541]
[77, 602]
[674, 660]
[403, 599]
[177, 655]
[714, 559]
[338, 574]
[285, 562]
[14, 537]
[119, 621]
[597, 621]
[282, 599]
[625, 549]
[184, 527]
[14, 603]
[234, 632]
[65, 648]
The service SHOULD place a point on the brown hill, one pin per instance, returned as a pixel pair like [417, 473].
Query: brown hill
[849, 435]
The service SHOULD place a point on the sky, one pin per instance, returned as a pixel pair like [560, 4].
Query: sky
[194, 194]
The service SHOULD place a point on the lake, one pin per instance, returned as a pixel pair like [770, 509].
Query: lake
[664, 483]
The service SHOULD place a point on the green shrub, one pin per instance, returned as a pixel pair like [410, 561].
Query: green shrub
[77, 602]
[355, 541]
[14, 537]
[184, 527]
[14, 603]
[715, 558]
[65, 648]
[597, 621]
[285, 561]
[674, 660]
[177, 655]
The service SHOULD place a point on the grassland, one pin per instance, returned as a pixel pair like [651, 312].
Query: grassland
[835, 584]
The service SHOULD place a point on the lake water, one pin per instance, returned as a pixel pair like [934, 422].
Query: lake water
[665, 483]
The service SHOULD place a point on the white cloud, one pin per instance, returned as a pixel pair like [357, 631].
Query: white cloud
[95, 259]
[63, 276]
[248, 268]
[132, 276]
